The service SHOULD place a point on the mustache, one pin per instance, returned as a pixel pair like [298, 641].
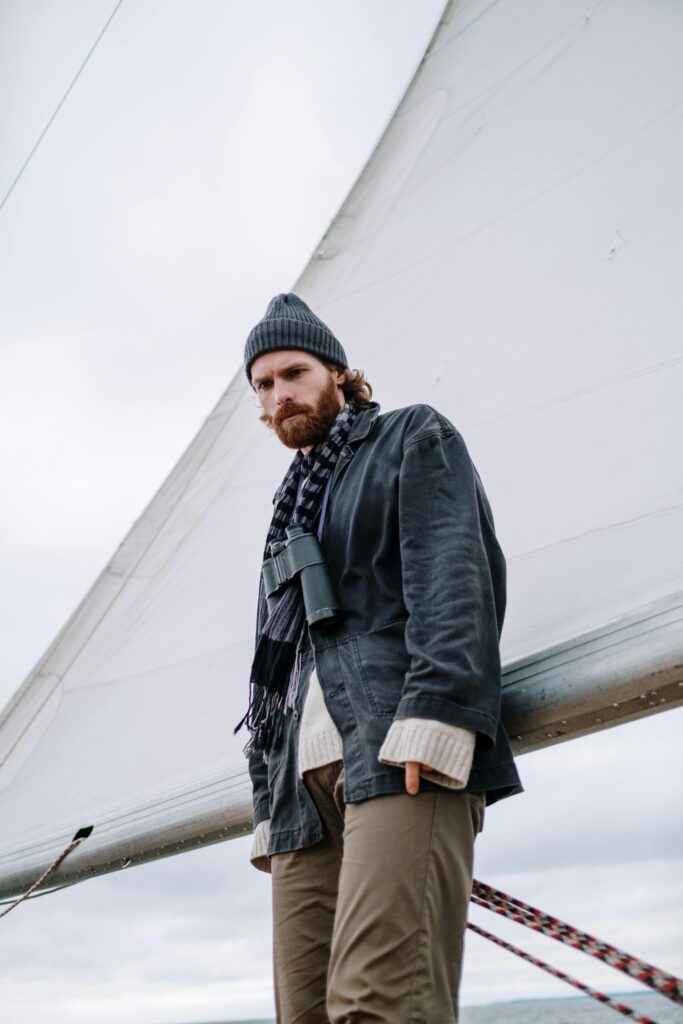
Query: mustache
[287, 410]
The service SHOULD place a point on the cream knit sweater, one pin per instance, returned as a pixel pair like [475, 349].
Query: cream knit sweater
[448, 749]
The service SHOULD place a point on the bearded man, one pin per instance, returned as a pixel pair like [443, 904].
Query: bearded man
[375, 738]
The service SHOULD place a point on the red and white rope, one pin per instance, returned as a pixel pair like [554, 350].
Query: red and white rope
[516, 910]
[600, 996]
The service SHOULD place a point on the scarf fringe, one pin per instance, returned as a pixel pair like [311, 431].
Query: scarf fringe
[276, 671]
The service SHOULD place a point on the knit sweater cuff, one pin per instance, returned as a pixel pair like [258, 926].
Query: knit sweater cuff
[319, 748]
[448, 749]
[259, 848]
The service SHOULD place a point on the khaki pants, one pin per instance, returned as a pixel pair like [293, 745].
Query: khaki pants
[368, 924]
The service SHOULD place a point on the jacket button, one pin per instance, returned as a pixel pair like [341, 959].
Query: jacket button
[296, 715]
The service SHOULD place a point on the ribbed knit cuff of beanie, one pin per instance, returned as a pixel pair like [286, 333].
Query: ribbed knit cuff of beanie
[290, 323]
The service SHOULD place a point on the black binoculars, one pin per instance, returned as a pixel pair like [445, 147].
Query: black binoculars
[301, 555]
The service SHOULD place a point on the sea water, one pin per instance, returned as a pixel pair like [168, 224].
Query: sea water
[582, 1010]
[572, 1011]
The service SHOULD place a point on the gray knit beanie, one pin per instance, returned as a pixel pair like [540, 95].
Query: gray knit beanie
[289, 323]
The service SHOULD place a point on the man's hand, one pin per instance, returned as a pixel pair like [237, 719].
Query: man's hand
[413, 769]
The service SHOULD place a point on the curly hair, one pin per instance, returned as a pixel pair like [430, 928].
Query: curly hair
[356, 388]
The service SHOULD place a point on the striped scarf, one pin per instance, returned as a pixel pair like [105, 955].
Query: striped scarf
[281, 636]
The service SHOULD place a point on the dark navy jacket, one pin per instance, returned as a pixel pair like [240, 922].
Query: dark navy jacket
[409, 539]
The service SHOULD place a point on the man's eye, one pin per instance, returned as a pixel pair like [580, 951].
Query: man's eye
[262, 384]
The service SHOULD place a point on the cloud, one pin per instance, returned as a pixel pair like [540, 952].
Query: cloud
[197, 926]
[592, 800]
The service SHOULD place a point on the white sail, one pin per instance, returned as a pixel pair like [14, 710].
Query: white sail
[511, 255]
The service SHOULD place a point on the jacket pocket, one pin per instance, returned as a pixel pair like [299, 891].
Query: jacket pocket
[380, 663]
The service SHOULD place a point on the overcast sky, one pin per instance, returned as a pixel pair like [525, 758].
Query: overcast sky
[188, 177]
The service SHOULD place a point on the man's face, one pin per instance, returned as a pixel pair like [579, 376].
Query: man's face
[299, 396]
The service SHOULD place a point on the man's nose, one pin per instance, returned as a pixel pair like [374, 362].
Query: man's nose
[284, 392]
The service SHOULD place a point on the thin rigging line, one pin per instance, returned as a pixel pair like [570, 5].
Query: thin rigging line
[45, 892]
[59, 105]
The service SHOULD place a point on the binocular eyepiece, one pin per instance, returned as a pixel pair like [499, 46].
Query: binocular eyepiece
[301, 555]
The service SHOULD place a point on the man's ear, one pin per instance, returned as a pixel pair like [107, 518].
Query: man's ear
[341, 377]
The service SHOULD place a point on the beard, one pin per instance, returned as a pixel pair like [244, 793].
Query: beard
[313, 423]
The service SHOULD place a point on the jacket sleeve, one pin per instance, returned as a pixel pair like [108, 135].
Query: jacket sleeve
[258, 770]
[454, 580]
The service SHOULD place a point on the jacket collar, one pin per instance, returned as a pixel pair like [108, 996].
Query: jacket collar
[363, 423]
[359, 431]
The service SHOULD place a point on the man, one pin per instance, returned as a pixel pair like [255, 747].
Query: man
[375, 740]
